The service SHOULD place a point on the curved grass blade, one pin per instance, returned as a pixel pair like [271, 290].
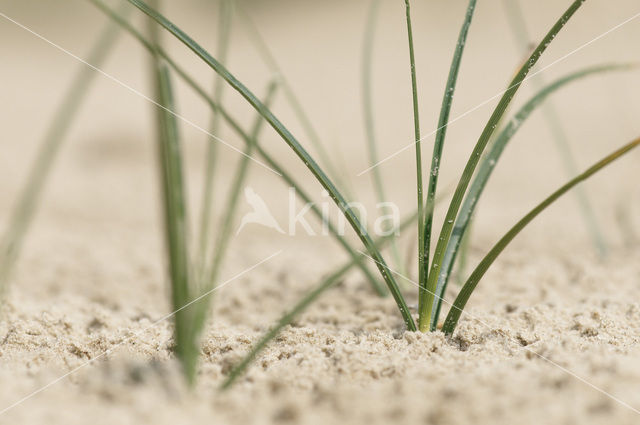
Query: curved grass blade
[293, 143]
[302, 305]
[29, 197]
[369, 127]
[416, 129]
[224, 32]
[488, 164]
[454, 206]
[294, 102]
[558, 133]
[436, 159]
[468, 288]
[246, 138]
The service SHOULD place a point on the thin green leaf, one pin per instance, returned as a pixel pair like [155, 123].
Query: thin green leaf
[246, 138]
[461, 300]
[488, 164]
[436, 159]
[454, 206]
[224, 32]
[293, 143]
[416, 129]
[369, 126]
[29, 197]
[558, 133]
[175, 219]
[227, 223]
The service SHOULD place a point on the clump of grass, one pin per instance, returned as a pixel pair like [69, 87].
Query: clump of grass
[433, 277]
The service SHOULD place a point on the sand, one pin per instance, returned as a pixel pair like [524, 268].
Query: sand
[551, 335]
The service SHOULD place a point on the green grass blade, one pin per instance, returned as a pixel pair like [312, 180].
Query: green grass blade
[488, 164]
[416, 129]
[454, 206]
[293, 143]
[468, 288]
[436, 159]
[224, 33]
[233, 124]
[175, 219]
[558, 133]
[29, 197]
[302, 305]
[225, 229]
[310, 131]
[369, 121]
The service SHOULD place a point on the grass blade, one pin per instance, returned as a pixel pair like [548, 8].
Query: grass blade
[454, 206]
[468, 288]
[175, 223]
[227, 222]
[436, 159]
[29, 197]
[488, 164]
[416, 129]
[558, 133]
[233, 124]
[302, 305]
[293, 143]
[224, 32]
[369, 127]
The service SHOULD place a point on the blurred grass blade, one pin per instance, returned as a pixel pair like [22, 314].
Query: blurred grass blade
[175, 216]
[436, 159]
[293, 143]
[294, 102]
[225, 19]
[488, 164]
[302, 305]
[558, 133]
[29, 197]
[468, 288]
[227, 222]
[454, 206]
[369, 126]
[233, 124]
[416, 129]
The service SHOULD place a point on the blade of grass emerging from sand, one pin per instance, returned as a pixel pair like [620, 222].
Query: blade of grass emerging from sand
[416, 129]
[461, 300]
[29, 197]
[233, 124]
[436, 159]
[225, 11]
[488, 164]
[302, 305]
[558, 133]
[175, 215]
[293, 143]
[227, 222]
[454, 206]
[369, 126]
[310, 131]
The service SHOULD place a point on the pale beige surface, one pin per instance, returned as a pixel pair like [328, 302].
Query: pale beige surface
[91, 275]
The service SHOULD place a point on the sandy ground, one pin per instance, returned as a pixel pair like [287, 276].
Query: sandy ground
[551, 335]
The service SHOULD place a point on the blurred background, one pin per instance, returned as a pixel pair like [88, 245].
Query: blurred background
[104, 184]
